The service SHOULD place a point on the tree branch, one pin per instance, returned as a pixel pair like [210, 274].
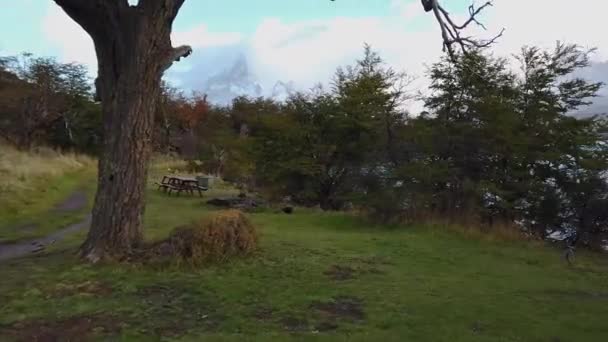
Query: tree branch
[451, 32]
[175, 55]
[91, 14]
[173, 6]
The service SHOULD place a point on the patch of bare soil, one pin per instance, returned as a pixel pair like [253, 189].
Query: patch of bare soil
[294, 324]
[263, 313]
[342, 307]
[345, 272]
[339, 273]
[326, 326]
[477, 327]
[17, 250]
[372, 260]
[90, 288]
[77, 328]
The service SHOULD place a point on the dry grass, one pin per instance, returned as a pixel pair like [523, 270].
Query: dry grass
[23, 175]
[164, 163]
[19, 169]
[469, 226]
[216, 238]
[496, 232]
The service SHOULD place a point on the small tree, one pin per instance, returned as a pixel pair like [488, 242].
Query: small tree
[42, 100]
[318, 149]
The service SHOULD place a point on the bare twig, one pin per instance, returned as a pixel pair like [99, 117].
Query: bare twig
[451, 32]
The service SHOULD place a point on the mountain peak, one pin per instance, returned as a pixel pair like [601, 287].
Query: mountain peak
[238, 80]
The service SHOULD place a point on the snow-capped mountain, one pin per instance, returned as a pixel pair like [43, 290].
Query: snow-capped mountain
[239, 80]
[235, 81]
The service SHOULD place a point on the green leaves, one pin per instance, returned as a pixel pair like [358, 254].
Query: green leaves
[496, 135]
[325, 138]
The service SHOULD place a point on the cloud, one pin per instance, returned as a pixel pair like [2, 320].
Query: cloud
[543, 22]
[75, 45]
[407, 10]
[308, 51]
[69, 38]
[201, 37]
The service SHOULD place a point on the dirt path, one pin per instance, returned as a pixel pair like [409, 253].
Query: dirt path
[75, 202]
[17, 250]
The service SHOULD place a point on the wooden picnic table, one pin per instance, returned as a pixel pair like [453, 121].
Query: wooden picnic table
[178, 184]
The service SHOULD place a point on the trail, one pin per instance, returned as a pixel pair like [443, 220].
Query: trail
[17, 250]
[75, 202]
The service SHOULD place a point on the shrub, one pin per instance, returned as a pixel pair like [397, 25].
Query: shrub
[223, 235]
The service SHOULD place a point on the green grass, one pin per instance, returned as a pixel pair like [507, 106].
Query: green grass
[32, 183]
[34, 215]
[407, 283]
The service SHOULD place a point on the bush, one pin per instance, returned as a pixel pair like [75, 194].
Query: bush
[223, 235]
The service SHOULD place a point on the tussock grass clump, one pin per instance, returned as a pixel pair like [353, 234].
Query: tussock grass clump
[216, 238]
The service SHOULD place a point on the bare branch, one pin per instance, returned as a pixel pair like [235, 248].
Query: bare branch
[445, 33]
[473, 12]
[451, 32]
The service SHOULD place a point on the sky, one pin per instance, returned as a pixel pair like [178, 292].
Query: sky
[303, 41]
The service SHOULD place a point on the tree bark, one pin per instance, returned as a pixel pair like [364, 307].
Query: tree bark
[133, 49]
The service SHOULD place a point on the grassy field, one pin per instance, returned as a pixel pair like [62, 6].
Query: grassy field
[316, 276]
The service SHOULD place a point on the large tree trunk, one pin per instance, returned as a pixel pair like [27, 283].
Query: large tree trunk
[133, 50]
[128, 110]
